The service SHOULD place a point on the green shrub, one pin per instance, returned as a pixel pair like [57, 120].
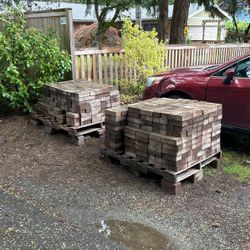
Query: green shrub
[144, 54]
[232, 35]
[28, 60]
[131, 91]
[143, 51]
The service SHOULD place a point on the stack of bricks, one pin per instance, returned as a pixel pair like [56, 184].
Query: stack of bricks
[77, 103]
[115, 120]
[172, 134]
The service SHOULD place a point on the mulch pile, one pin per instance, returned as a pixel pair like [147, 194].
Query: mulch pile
[85, 37]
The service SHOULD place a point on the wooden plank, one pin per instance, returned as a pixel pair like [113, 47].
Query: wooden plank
[78, 128]
[76, 68]
[45, 15]
[105, 68]
[89, 67]
[82, 67]
[97, 51]
[99, 58]
[166, 59]
[203, 55]
[50, 20]
[192, 57]
[116, 74]
[146, 168]
[176, 56]
[180, 61]
[182, 176]
[111, 69]
[94, 68]
[176, 59]
[189, 57]
[69, 36]
[87, 131]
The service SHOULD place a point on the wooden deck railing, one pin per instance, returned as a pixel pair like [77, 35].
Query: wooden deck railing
[100, 66]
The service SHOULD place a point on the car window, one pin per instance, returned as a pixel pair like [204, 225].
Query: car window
[243, 69]
[222, 72]
[211, 67]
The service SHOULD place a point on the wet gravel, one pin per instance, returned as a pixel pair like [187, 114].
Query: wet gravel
[54, 195]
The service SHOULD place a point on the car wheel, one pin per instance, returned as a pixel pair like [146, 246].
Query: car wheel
[177, 97]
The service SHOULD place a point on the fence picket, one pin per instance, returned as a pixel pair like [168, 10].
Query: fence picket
[82, 66]
[94, 69]
[100, 65]
[89, 67]
[116, 74]
[77, 68]
[105, 68]
[100, 68]
[111, 71]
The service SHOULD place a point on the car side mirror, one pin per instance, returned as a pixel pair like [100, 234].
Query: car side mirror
[229, 76]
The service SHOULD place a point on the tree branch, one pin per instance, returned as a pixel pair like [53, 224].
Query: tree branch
[96, 9]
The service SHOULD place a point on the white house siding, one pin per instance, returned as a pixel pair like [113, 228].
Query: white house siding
[196, 33]
[195, 24]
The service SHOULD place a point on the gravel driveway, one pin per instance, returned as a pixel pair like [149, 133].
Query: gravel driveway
[54, 195]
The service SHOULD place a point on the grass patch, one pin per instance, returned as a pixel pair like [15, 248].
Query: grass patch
[236, 165]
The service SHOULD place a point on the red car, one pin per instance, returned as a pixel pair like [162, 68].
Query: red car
[228, 84]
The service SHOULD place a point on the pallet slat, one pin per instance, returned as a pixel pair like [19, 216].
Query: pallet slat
[139, 167]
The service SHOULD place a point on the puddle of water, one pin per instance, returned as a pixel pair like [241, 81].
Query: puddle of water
[136, 236]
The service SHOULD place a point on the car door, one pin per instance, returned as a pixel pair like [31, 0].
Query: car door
[234, 96]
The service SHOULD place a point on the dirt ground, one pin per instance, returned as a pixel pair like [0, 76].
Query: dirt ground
[54, 195]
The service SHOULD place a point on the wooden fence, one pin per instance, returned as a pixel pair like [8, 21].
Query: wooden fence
[185, 56]
[100, 66]
[60, 23]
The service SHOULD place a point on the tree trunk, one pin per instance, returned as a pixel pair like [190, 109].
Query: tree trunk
[163, 20]
[138, 20]
[98, 36]
[179, 21]
[246, 33]
[236, 28]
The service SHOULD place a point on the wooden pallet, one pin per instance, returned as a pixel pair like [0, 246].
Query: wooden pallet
[169, 180]
[77, 133]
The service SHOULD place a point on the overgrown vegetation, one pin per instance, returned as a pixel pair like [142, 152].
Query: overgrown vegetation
[144, 54]
[28, 60]
[234, 35]
[106, 12]
[130, 91]
[236, 165]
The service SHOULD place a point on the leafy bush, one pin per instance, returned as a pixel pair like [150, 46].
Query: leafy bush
[28, 60]
[144, 54]
[130, 91]
[231, 31]
[143, 51]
